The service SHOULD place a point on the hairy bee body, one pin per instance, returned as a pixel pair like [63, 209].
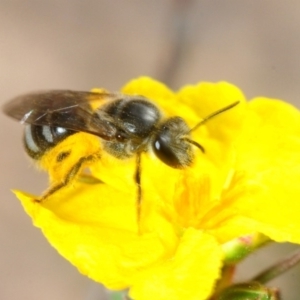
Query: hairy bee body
[121, 125]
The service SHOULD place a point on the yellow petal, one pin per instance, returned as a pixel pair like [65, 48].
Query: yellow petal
[149, 88]
[95, 228]
[264, 191]
[206, 98]
[269, 151]
[190, 274]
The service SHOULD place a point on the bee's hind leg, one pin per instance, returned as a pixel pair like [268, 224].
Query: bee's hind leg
[70, 176]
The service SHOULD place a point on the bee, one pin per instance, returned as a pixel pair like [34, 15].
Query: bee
[126, 125]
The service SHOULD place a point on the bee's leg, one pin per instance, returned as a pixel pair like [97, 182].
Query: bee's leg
[138, 183]
[68, 178]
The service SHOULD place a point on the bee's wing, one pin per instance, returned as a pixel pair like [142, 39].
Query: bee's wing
[62, 108]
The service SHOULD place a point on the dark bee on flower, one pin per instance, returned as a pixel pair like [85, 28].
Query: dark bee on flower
[126, 125]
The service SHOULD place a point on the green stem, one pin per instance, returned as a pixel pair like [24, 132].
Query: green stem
[118, 296]
[247, 291]
[237, 249]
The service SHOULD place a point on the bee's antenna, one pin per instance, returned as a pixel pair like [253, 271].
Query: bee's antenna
[195, 144]
[214, 114]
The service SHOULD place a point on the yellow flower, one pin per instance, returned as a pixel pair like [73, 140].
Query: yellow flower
[245, 182]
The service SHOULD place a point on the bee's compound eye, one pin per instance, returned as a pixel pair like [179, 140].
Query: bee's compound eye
[164, 152]
[169, 145]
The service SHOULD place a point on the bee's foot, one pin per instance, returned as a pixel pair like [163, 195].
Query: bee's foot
[38, 200]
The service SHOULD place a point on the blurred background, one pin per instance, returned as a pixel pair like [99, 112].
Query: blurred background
[72, 44]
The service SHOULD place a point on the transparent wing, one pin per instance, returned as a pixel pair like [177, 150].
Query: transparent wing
[63, 108]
